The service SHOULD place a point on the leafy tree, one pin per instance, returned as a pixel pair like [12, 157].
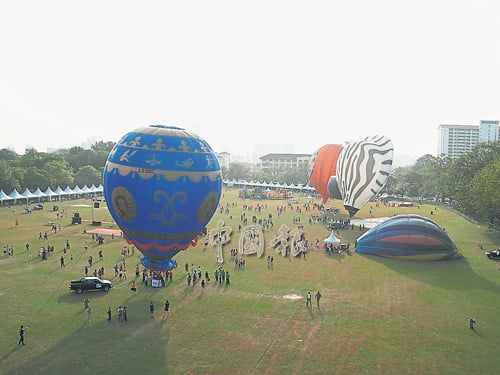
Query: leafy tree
[34, 178]
[238, 171]
[87, 175]
[59, 172]
[485, 192]
[463, 170]
[6, 154]
[8, 180]
[102, 146]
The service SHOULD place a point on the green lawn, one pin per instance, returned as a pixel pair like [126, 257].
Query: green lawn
[377, 315]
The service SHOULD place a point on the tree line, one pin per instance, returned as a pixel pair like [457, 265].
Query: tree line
[65, 167]
[469, 183]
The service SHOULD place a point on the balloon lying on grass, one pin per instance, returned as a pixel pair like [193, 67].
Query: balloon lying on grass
[408, 237]
[322, 166]
[362, 170]
[162, 185]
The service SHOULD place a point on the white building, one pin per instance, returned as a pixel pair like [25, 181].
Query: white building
[455, 140]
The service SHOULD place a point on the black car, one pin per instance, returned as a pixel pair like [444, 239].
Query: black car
[89, 283]
[494, 254]
[38, 207]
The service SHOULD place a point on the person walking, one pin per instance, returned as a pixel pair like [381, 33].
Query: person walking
[109, 313]
[151, 309]
[318, 297]
[472, 321]
[133, 288]
[87, 313]
[21, 335]
[308, 299]
[166, 312]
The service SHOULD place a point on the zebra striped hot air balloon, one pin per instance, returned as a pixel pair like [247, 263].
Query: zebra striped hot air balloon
[362, 170]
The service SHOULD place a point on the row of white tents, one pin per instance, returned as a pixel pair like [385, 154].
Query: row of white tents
[270, 185]
[77, 192]
[49, 194]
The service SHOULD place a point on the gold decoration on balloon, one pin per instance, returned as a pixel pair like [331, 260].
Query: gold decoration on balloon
[123, 203]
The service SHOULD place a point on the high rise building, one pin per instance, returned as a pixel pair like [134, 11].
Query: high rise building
[455, 140]
[488, 131]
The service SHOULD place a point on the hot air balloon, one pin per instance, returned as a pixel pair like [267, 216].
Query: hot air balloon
[362, 170]
[162, 185]
[412, 237]
[322, 166]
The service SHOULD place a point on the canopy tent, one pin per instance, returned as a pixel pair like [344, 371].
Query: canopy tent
[38, 193]
[60, 191]
[3, 196]
[28, 194]
[49, 193]
[332, 239]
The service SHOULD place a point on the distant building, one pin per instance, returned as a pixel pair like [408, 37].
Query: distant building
[455, 140]
[489, 131]
[271, 161]
[224, 159]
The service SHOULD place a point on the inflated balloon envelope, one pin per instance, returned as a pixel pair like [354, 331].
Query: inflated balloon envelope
[162, 185]
[322, 166]
[362, 170]
[412, 237]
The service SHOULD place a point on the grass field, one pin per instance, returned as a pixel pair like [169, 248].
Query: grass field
[377, 315]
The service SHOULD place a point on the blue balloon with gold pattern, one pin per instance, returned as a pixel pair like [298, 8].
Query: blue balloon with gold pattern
[162, 185]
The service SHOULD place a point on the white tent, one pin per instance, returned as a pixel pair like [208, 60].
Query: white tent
[332, 239]
[28, 194]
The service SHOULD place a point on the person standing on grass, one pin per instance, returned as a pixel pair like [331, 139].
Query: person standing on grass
[308, 298]
[151, 309]
[21, 335]
[166, 312]
[87, 313]
[318, 297]
[109, 313]
[133, 288]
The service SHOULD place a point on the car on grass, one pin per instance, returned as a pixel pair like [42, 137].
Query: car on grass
[494, 254]
[38, 207]
[89, 283]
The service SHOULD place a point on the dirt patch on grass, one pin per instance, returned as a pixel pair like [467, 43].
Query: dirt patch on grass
[292, 296]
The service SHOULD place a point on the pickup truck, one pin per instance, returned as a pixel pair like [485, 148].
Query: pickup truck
[89, 283]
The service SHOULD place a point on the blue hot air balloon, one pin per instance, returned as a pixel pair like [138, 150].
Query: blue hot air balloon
[411, 237]
[162, 185]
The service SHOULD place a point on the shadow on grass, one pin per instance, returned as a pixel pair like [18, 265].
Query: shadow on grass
[94, 348]
[72, 297]
[446, 274]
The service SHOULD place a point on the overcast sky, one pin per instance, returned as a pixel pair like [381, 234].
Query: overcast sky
[300, 74]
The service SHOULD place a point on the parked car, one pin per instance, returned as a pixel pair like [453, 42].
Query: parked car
[89, 283]
[494, 254]
[38, 206]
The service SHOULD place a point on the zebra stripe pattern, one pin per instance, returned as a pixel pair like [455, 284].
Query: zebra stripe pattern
[362, 170]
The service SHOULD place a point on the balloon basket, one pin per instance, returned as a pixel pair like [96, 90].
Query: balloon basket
[159, 265]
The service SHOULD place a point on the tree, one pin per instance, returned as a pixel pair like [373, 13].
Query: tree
[8, 180]
[485, 192]
[34, 178]
[238, 171]
[87, 175]
[7, 155]
[463, 170]
[59, 173]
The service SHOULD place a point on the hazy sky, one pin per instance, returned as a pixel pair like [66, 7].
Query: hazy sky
[240, 73]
